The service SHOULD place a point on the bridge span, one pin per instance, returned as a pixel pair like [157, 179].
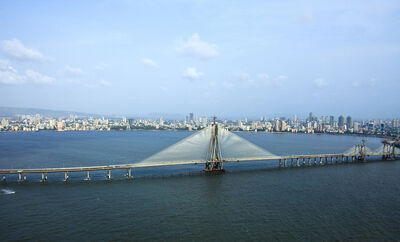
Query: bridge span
[283, 162]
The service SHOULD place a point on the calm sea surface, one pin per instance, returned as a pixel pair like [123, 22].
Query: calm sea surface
[251, 201]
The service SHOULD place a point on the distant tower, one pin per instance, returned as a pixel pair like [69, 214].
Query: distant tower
[191, 117]
[341, 121]
[214, 156]
[349, 122]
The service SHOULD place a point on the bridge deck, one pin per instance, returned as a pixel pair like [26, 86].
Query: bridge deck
[141, 165]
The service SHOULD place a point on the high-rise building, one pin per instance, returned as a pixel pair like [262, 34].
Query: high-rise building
[331, 120]
[277, 129]
[310, 117]
[341, 121]
[395, 123]
[349, 122]
[191, 117]
[295, 118]
[283, 125]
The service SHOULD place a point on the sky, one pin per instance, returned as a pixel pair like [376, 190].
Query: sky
[225, 58]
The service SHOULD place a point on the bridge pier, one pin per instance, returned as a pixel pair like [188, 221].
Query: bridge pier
[4, 178]
[309, 161]
[19, 176]
[304, 161]
[284, 162]
[297, 161]
[108, 174]
[87, 176]
[129, 171]
[44, 176]
[66, 176]
[315, 161]
[320, 161]
[291, 162]
[280, 163]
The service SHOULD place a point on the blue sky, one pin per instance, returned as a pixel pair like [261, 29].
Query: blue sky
[228, 58]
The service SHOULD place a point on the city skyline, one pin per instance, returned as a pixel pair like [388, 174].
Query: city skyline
[224, 58]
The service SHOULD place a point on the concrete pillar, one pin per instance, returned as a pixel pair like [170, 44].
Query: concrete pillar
[42, 176]
[129, 171]
[342, 159]
[109, 174]
[297, 161]
[304, 161]
[291, 162]
[315, 160]
[309, 161]
[352, 158]
[66, 176]
[24, 176]
[280, 163]
[45, 176]
[87, 176]
[320, 161]
[4, 177]
[284, 162]
[19, 176]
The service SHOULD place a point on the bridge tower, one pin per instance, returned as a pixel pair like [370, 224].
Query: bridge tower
[214, 162]
[361, 151]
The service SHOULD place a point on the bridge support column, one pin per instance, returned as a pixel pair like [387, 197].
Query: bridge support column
[129, 171]
[24, 176]
[109, 174]
[320, 161]
[42, 177]
[87, 176]
[291, 162]
[342, 159]
[19, 176]
[280, 163]
[4, 178]
[315, 160]
[352, 159]
[284, 163]
[297, 161]
[66, 176]
[304, 161]
[309, 161]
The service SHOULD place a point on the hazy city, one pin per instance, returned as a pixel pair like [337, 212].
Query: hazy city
[312, 124]
[199, 120]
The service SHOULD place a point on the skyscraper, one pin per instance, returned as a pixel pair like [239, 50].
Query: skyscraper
[331, 120]
[349, 122]
[191, 117]
[341, 121]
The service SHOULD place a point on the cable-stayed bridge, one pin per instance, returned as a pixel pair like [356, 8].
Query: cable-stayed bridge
[214, 146]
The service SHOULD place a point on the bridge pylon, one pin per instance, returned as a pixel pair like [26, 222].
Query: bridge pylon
[214, 162]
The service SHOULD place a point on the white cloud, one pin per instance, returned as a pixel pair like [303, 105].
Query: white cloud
[228, 85]
[100, 66]
[372, 82]
[197, 48]
[74, 71]
[263, 76]
[36, 77]
[355, 84]
[8, 75]
[320, 82]
[14, 48]
[105, 83]
[192, 74]
[149, 62]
